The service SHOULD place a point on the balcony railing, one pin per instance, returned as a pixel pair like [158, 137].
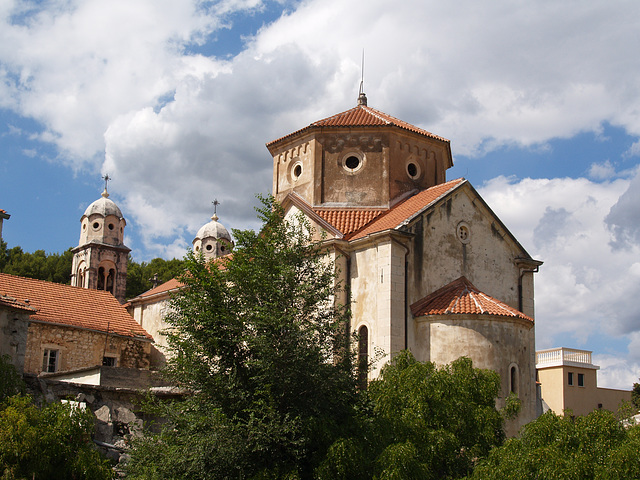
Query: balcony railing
[562, 356]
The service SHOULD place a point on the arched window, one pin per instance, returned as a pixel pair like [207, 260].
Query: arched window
[363, 356]
[101, 278]
[111, 280]
[513, 378]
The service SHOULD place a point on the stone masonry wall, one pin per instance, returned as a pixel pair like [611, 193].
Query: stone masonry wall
[82, 348]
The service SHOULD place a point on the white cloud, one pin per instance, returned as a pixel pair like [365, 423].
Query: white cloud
[586, 290]
[602, 171]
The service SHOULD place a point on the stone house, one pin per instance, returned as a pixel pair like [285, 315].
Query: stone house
[14, 324]
[73, 328]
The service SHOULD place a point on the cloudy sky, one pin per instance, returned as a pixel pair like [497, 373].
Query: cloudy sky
[175, 101]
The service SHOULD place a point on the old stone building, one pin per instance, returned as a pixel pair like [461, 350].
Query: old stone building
[429, 266]
[100, 259]
[14, 324]
[73, 328]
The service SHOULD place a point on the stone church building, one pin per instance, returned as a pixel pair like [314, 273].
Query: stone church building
[429, 265]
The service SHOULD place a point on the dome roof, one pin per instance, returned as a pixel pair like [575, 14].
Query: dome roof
[213, 229]
[103, 206]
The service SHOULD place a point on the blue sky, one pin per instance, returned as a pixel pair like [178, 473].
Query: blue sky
[175, 101]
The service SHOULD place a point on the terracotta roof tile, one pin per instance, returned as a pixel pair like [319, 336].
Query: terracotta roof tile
[163, 287]
[348, 220]
[11, 302]
[363, 116]
[72, 306]
[406, 209]
[461, 297]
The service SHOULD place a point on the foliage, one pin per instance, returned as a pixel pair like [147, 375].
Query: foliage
[54, 267]
[46, 443]
[424, 423]
[255, 340]
[595, 446]
[10, 381]
[635, 395]
[140, 275]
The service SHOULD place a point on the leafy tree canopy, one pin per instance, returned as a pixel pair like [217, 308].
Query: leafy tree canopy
[10, 381]
[255, 340]
[49, 442]
[140, 276]
[54, 267]
[423, 422]
[554, 447]
[635, 395]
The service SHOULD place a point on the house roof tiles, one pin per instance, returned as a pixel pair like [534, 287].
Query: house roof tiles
[348, 220]
[362, 116]
[72, 306]
[406, 210]
[461, 297]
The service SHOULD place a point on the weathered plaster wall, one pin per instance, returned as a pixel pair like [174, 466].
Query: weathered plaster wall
[13, 336]
[82, 348]
[377, 286]
[493, 343]
[150, 315]
[488, 259]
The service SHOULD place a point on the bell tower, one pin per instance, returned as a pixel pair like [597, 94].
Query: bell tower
[213, 239]
[100, 259]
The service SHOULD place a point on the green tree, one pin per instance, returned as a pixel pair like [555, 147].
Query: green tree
[635, 395]
[140, 275]
[422, 422]
[10, 381]
[47, 443]
[256, 339]
[54, 267]
[552, 447]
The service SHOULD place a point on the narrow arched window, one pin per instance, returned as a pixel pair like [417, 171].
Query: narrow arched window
[513, 379]
[101, 278]
[363, 356]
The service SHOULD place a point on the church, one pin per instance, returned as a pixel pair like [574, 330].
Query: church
[428, 265]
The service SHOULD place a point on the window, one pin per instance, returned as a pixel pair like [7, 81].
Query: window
[570, 378]
[50, 360]
[514, 379]
[581, 379]
[108, 361]
[363, 356]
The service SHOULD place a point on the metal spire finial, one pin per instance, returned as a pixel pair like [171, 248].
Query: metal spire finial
[215, 209]
[362, 98]
[106, 179]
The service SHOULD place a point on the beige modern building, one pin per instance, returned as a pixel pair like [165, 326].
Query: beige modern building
[568, 381]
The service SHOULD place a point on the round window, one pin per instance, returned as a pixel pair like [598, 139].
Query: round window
[222, 249]
[463, 232]
[352, 162]
[197, 248]
[297, 171]
[111, 226]
[209, 248]
[84, 226]
[96, 225]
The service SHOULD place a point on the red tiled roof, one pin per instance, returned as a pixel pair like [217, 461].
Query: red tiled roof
[407, 209]
[461, 297]
[363, 116]
[164, 287]
[347, 220]
[11, 302]
[72, 306]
